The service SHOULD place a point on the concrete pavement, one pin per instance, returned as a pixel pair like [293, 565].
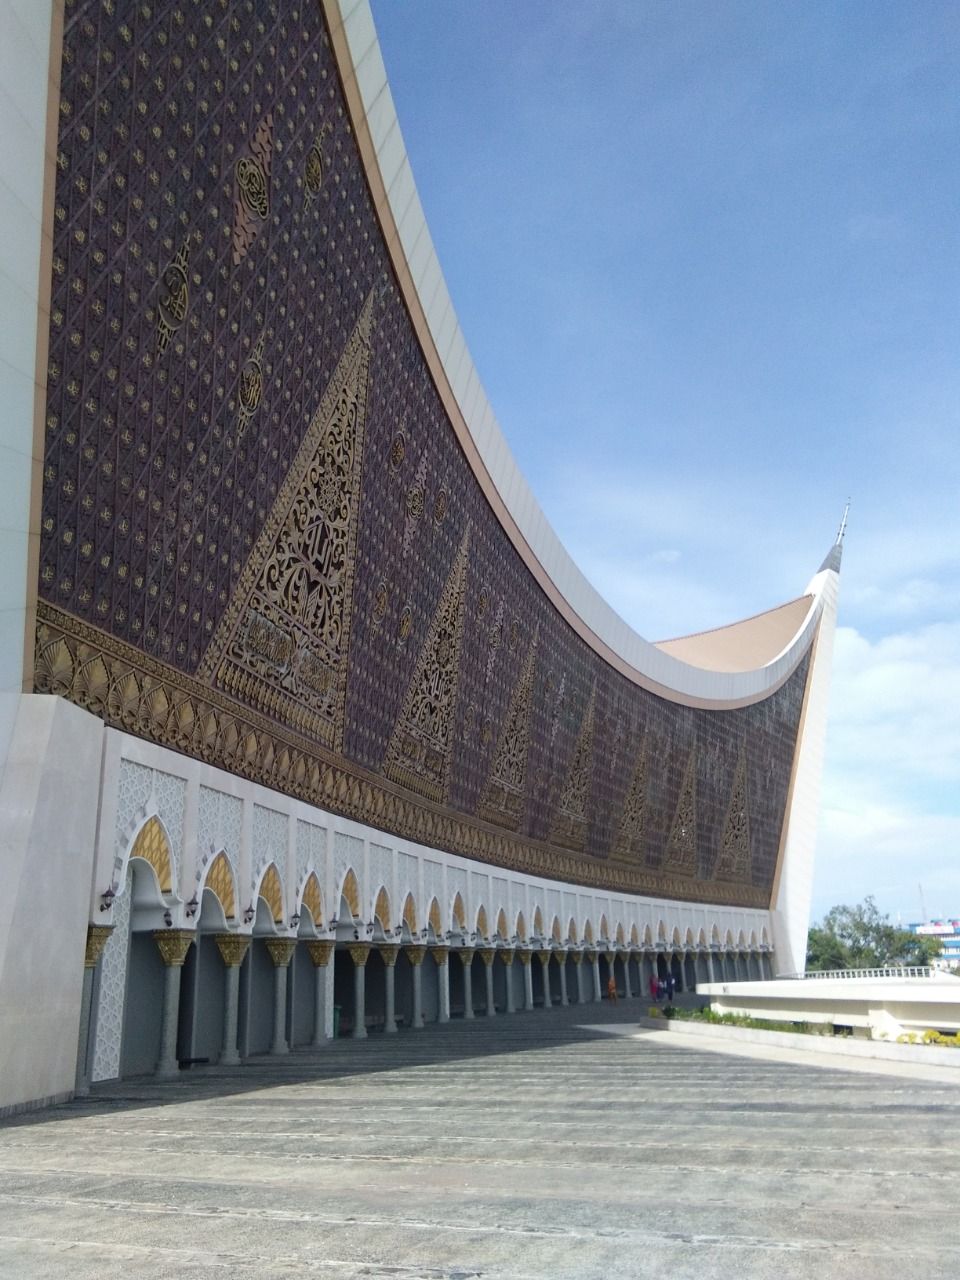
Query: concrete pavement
[546, 1144]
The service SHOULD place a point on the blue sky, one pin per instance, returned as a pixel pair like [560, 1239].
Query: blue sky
[707, 261]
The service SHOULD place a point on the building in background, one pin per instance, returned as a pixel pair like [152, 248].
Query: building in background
[303, 702]
[948, 933]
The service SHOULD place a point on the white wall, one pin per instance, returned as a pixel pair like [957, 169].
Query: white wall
[48, 815]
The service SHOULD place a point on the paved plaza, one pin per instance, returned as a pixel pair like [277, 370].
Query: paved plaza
[537, 1146]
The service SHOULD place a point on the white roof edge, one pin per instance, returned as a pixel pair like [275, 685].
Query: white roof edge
[647, 664]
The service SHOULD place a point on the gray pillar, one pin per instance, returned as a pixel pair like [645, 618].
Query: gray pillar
[545, 967]
[441, 956]
[526, 958]
[710, 967]
[97, 937]
[563, 980]
[232, 948]
[173, 945]
[627, 990]
[389, 955]
[320, 953]
[416, 955]
[488, 956]
[595, 966]
[359, 954]
[466, 959]
[281, 950]
[507, 958]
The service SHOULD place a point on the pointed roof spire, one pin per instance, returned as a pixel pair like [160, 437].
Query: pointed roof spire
[836, 551]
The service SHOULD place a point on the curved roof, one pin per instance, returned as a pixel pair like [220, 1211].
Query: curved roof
[726, 667]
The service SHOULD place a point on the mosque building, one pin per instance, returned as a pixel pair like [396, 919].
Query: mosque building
[304, 706]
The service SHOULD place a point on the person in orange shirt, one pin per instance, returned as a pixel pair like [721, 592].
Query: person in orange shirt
[612, 989]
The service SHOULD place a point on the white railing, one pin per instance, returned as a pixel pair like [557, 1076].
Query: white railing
[891, 971]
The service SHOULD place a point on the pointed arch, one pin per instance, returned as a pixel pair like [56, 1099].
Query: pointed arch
[572, 931]
[458, 916]
[410, 914]
[433, 919]
[381, 909]
[312, 899]
[675, 939]
[521, 930]
[482, 927]
[647, 936]
[271, 891]
[688, 940]
[661, 931]
[219, 880]
[753, 937]
[701, 939]
[729, 938]
[634, 937]
[588, 932]
[764, 937]
[538, 923]
[715, 935]
[604, 929]
[741, 940]
[153, 846]
[502, 929]
[350, 890]
[556, 932]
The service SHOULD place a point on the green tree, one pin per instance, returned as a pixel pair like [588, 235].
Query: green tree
[861, 938]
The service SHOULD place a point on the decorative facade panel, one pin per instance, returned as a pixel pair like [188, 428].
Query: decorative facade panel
[261, 542]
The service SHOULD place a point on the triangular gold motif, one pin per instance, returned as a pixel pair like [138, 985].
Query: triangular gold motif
[570, 824]
[418, 756]
[281, 646]
[681, 858]
[629, 843]
[503, 797]
[733, 862]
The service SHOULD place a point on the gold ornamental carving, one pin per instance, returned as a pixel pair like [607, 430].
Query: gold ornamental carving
[504, 796]
[466, 957]
[134, 692]
[232, 947]
[506, 955]
[415, 955]
[173, 945]
[250, 387]
[97, 937]
[681, 855]
[439, 954]
[320, 953]
[733, 862]
[576, 956]
[281, 950]
[488, 955]
[252, 181]
[174, 300]
[629, 842]
[525, 957]
[359, 954]
[282, 643]
[570, 824]
[544, 958]
[418, 756]
[389, 955]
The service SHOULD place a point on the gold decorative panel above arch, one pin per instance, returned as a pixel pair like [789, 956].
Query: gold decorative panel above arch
[220, 881]
[271, 891]
[312, 899]
[153, 846]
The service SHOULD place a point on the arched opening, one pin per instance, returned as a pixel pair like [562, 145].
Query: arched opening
[537, 972]
[403, 989]
[604, 966]
[457, 978]
[343, 991]
[145, 977]
[257, 982]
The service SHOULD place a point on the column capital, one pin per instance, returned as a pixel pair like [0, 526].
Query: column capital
[232, 947]
[611, 957]
[97, 938]
[320, 953]
[389, 955]
[505, 954]
[439, 954]
[466, 955]
[173, 944]
[576, 956]
[281, 950]
[415, 955]
[544, 957]
[359, 953]
[488, 955]
[525, 956]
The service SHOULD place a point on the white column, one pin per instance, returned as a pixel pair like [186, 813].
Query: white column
[578, 962]
[359, 954]
[281, 952]
[710, 966]
[440, 956]
[416, 955]
[545, 967]
[597, 993]
[389, 955]
[97, 937]
[488, 955]
[525, 959]
[466, 959]
[232, 948]
[320, 953]
[173, 945]
[507, 959]
[627, 991]
[563, 979]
